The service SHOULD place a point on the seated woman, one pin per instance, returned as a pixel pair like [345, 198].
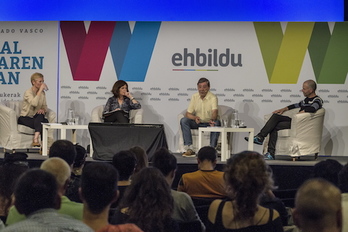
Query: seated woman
[148, 203]
[118, 106]
[34, 107]
[246, 178]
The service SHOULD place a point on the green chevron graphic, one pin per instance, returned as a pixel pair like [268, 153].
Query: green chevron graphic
[283, 55]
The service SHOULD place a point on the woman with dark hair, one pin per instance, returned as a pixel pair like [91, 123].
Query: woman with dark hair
[148, 203]
[246, 178]
[142, 160]
[118, 106]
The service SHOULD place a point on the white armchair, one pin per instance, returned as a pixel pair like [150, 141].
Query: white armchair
[304, 137]
[225, 113]
[14, 136]
[135, 116]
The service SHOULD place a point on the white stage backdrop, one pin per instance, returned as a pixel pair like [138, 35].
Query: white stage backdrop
[253, 67]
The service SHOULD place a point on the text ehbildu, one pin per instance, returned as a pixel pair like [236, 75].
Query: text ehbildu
[211, 58]
[11, 59]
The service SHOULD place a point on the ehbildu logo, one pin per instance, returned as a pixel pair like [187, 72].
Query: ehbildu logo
[283, 55]
[131, 52]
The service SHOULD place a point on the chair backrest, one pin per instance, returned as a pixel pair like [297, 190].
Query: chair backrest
[15, 105]
[135, 116]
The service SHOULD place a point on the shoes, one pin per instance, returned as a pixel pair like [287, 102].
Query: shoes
[189, 153]
[35, 144]
[257, 140]
[268, 156]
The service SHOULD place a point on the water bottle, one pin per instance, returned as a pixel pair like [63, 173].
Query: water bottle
[235, 119]
[71, 117]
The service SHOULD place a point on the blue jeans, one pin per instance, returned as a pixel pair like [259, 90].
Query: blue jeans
[188, 124]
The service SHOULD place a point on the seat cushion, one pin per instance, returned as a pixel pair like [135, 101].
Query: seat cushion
[25, 129]
[284, 133]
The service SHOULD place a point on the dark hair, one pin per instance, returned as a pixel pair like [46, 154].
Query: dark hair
[202, 80]
[343, 179]
[81, 155]
[148, 201]
[9, 174]
[124, 162]
[142, 159]
[311, 84]
[246, 177]
[63, 149]
[98, 185]
[116, 88]
[207, 153]
[164, 161]
[36, 189]
[328, 169]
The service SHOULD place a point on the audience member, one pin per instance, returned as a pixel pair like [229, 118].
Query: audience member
[98, 190]
[118, 106]
[125, 163]
[343, 185]
[37, 197]
[246, 179]
[147, 203]
[184, 210]
[328, 169]
[61, 171]
[269, 200]
[201, 112]
[142, 159]
[13, 166]
[66, 150]
[278, 121]
[206, 182]
[318, 207]
[79, 163]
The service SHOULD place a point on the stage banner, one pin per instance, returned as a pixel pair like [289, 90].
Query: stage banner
[26, 48]
[253, 67]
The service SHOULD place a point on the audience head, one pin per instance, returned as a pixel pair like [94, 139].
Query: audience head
[164, 161]
[343, 179]
[328, 170]
[124, 162]
[81, 155]
[318, 206]
[98, 186]
[142, 159]
[63, 149]
[116, 87]
[36, 189]
[207, 154]
[59, 169]
[14, 165]
[246, 177]
[148, 200]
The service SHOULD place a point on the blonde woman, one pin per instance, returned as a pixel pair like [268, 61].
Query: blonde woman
[34, 107]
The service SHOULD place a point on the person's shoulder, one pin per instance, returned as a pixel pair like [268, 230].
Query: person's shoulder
[180, 195]
[275, 212]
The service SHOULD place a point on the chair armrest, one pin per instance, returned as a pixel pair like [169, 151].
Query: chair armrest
[306, 125]
[136, 116]
[51, 115]
[8, 123]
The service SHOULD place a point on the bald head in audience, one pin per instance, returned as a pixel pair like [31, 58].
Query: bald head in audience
[60, 170]
[318, 207]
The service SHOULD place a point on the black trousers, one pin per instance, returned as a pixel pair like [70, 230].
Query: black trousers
[33, 122]
[273, 125]
[117, 117]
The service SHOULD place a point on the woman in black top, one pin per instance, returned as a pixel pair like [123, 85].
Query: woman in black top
[246, 178]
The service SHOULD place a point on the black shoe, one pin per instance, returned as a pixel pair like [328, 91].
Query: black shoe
[257, 140]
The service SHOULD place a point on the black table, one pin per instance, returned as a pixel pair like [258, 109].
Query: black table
[110, 138]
